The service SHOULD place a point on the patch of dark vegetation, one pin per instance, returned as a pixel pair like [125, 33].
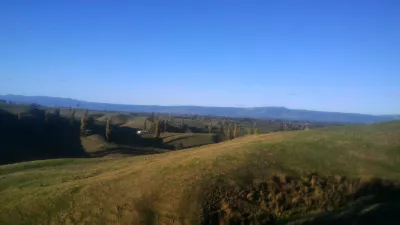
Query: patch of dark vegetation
[38, 134]
[131, 151]
[307, 199]
[32, 132]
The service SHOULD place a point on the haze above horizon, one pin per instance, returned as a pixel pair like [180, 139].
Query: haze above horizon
[340, 56]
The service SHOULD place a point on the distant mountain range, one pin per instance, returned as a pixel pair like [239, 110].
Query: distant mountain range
[256, 112]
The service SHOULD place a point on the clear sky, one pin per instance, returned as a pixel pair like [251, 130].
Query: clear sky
[329, 55]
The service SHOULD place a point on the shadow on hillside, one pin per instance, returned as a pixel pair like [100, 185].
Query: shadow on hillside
[197, 130]
[376, 203]
[173, 129]
[126, 136]
[131, 151]
[35, 136]
[184, 136]
[287, 200]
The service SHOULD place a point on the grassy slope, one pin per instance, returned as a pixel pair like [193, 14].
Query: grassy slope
[188, 140]
[167, 187]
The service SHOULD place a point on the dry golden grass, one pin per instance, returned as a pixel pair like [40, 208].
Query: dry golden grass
[136, 122]
[167, 188]
[95, 143]
[156, 181]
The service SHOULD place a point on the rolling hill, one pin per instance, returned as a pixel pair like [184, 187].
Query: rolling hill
[316, 175]
[33, 133]
[256, 112]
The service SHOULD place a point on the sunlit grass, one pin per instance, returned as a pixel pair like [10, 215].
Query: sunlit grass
[167, 187]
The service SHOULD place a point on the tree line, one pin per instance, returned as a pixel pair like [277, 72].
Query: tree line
[154, 124]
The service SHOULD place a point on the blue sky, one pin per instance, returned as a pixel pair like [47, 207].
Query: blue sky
[338, 55]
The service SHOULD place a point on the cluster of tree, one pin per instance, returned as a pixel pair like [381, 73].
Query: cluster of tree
[157, 128]
[157, 124]
[6, 102]
[86, 120]
[293, 126]
[47, 114]
[38, 133]
[229, 131]
[271, 125]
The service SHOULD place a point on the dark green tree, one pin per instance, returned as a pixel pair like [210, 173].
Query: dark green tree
[157, 130]
[20, 115]
[108, 129]
[182, 125]
[253, 127]
[152, 117]
[229, 132]
[248, 131]
[236, 131]
[221, 133]
[72, 117]
[57, 112]
[83, 122]
[256, 131]
[47, 115]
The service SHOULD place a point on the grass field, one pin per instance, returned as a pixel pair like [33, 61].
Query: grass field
[97, 144]
[170, 188]
[34, 133]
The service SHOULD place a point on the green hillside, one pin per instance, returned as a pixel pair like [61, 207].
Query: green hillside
[192, 186]
[35, 133]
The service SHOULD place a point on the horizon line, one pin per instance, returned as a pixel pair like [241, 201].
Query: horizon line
[237, 107]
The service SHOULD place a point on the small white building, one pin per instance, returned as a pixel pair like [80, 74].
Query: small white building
[139, 132]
